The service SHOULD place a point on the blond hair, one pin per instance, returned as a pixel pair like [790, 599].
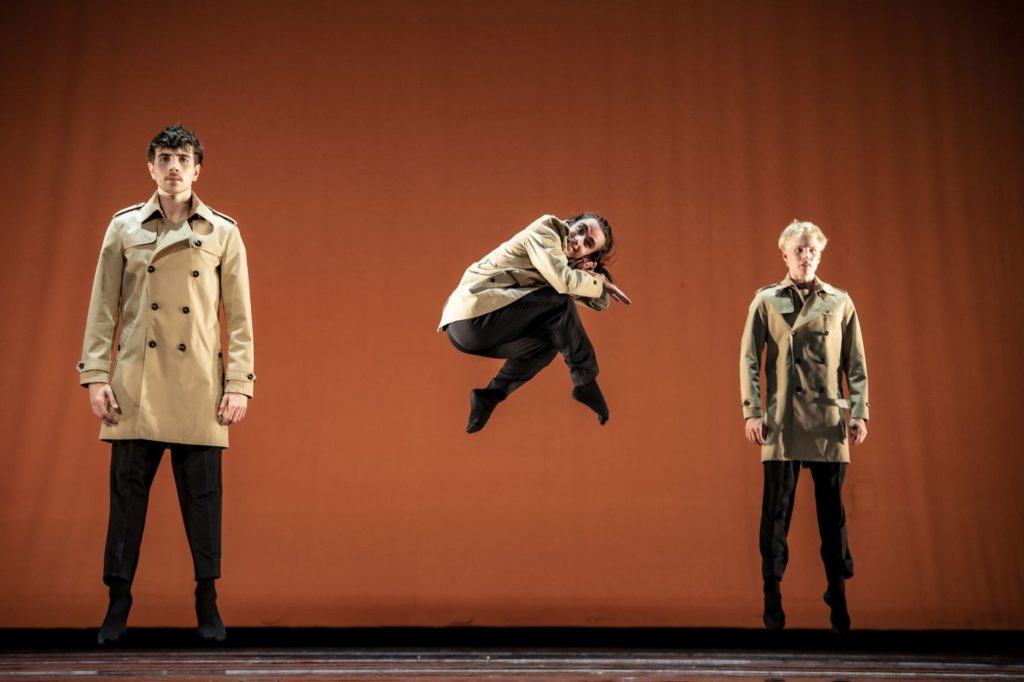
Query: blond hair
[801, 227]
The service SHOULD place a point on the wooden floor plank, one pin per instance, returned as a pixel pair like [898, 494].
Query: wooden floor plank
[469, 665]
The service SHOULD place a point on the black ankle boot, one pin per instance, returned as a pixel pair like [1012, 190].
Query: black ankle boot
[115, 625]
[774, 617]
[211, 627]
[590, 395]
[482, 402]
[835, 597]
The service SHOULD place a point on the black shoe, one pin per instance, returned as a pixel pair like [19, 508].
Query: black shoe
[211, 627]
[590, 395]
[774, 617]
[482, 402]
[839, 617]
[115, 624]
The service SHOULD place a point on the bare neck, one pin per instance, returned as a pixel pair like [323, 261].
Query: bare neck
[175, 207]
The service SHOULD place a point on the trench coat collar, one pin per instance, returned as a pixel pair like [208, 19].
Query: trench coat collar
[819, 303]
[200, 210]
[151, 209]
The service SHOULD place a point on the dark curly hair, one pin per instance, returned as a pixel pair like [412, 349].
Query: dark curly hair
[176, 136]
[604, 256]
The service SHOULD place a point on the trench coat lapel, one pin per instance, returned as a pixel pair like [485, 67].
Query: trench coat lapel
[152, 214]
[816, 306]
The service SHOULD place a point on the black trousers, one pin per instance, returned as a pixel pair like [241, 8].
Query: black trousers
[197, 476]
[780, 479]
[528, 334]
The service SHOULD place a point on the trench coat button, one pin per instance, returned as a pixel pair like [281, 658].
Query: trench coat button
[152, 344]
[220, 355]
[150, 269]
[181, 347]
[195, 273]
[746, 403]
[81, 365]
[251, 377]
[492, 279]
[821, 389]
[793, 333]
[199, 243]
[185, 310]
[798, 361]
[799, 389]
[825, 333]
[155, 306]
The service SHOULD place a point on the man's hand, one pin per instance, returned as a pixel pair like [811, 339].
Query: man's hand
[616, 293]
[232, 408]
[103, 403]
[858, 431]
[756, 430]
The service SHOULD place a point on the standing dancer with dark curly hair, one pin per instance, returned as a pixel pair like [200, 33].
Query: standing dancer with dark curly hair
[165, 269]
[519, 303]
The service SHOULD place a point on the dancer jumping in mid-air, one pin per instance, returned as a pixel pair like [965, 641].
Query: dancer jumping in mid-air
[519, 303]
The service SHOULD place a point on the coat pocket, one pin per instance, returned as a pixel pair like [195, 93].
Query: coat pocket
[497, 280]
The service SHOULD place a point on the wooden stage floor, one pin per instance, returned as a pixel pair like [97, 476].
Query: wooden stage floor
[262, 656]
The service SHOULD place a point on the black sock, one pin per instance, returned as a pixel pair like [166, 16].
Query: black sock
[211, 627]
[590, 395]
[115, 624]
[482, 402]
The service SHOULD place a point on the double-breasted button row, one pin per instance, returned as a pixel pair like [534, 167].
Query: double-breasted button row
[150, 268]
[182, 347]
[156, 306]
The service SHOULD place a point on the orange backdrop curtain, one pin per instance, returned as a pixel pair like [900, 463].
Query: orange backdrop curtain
[371, 150]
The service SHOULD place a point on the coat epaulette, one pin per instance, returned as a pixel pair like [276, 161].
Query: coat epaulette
[133, 207]
[225, 217]
[766, 288]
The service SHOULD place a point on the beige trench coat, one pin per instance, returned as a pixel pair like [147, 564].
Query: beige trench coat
[169, 374]
[804, 367]
[534, 258]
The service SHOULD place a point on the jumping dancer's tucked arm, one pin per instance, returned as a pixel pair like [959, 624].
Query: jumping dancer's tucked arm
[544, 247]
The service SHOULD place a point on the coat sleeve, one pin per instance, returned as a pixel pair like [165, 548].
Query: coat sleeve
[104, 308]
[599, 304]
[755, 335]
[855, 365]
[234, 285]
[544, 248]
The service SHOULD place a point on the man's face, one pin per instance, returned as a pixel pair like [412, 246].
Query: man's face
[585, 237]
[174, 170]
[802, 254]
